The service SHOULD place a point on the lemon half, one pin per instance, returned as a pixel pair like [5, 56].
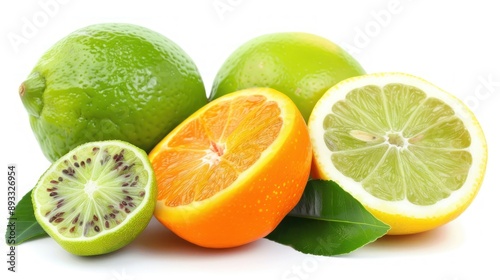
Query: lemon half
[412, 154]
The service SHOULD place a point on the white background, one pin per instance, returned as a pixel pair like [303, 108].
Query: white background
[452, 44]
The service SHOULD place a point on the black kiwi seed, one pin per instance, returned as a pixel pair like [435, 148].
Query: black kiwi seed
[119, 157]
[69, 171]
[67, 213]
[75, 220]
[56, 218]
[118, 165]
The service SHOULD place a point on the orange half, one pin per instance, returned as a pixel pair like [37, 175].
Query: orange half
[231, 172]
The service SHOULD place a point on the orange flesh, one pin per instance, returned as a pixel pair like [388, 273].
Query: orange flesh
[209, 153]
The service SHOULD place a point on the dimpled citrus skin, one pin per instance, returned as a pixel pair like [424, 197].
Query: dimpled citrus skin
[110, 81]
[301, 65]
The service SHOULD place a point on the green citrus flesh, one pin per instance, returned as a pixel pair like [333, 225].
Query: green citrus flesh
[399, 143]
[110, 81]
[97, 198]
[301, 65]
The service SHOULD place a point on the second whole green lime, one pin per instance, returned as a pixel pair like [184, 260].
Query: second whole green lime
[301, 65]
[110, 81]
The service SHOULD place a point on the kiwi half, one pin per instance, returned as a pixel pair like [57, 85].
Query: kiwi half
[97, 198]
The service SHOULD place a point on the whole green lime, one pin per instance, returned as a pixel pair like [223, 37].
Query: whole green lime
[110, 81]
[301, 65]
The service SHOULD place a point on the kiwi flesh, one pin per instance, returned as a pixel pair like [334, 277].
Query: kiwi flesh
[97, 189]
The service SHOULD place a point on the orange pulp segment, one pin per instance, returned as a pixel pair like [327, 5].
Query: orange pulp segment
[226, 157]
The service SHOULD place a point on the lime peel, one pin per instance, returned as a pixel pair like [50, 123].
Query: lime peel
[97, 198]
[420, 153]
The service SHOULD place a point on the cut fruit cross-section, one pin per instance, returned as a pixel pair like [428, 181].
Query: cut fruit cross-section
[414, 155]
[230, 172]
[97, 198]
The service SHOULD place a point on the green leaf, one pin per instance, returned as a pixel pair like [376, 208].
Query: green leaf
[24, 223]
[328, 221]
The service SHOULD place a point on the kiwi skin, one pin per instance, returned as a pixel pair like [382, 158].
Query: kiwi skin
[122, 234]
